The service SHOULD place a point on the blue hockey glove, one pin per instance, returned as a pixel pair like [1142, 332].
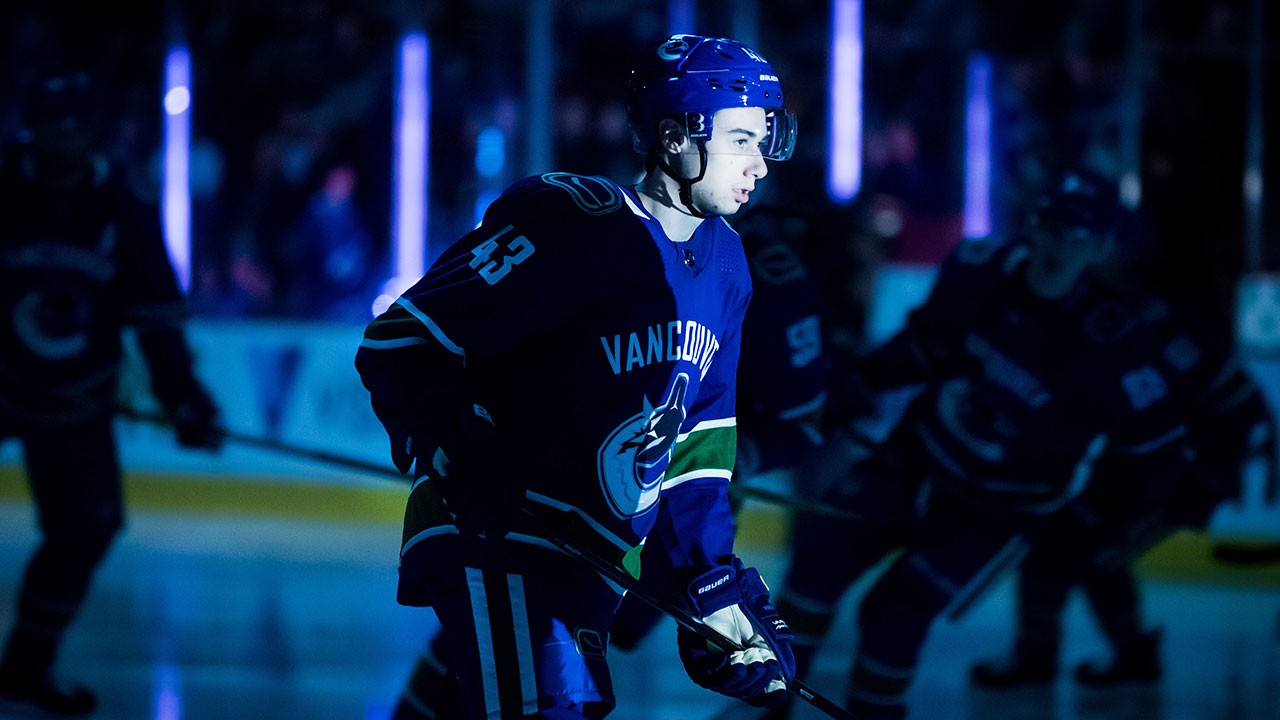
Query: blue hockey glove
[471, 469]
[734, 601]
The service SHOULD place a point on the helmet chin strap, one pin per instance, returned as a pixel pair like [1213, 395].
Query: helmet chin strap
[686, 184]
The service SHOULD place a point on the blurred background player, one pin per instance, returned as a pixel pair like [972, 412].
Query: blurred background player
[782, 374]
[81, 257]
[577, 354]
[1136, 501]
[1029, 371]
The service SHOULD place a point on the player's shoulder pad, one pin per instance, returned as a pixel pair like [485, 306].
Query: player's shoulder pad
[559, 196]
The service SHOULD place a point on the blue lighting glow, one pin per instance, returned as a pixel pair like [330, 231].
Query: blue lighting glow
[844, 168]
[176, 200]
[412, 150]
[167, 681]
[491, 152]
[977, 150]
[680, 16]
[177, 100]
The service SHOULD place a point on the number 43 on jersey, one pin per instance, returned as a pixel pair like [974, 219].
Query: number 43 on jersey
[512, 253]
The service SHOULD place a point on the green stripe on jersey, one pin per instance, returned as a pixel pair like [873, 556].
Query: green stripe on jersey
[709, 446]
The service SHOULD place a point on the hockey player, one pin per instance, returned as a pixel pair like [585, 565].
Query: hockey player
[575, 356]
[1029, 372]
[80, 257]
[780, 400]
[1134, 503]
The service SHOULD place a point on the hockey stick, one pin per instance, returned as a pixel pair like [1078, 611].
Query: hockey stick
[602, 565]
[347, 463]
[790, 502]
[683, 617]
[1007, 559]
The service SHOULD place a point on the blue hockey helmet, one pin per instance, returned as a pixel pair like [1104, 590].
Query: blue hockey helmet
[690, 77]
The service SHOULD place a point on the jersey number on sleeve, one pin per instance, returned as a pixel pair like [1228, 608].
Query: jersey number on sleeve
[513, 253]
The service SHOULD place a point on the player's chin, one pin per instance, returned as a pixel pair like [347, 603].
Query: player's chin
[730, 207]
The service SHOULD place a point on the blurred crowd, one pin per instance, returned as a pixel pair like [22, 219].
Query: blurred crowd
[293, 109]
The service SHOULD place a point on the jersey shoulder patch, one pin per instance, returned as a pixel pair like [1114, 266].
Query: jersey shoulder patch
[591, 194]
[553, 199]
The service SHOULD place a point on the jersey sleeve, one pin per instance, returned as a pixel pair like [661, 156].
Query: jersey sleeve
[151, 301]
[782, 373]
[1233, 424]
[694, 528]
[510, 278]
[148, 287]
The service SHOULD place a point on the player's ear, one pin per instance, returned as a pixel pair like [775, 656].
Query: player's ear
[671, 135]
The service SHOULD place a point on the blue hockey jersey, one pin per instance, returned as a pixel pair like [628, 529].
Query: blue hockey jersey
[606, 355]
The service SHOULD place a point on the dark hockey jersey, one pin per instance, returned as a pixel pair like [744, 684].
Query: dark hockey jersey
[605, 353]
[76, 265]
[782, 375]
[1022, 395]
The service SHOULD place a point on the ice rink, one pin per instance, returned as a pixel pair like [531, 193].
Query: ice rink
[226, 601]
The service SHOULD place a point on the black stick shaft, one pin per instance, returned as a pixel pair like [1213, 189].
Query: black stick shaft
[789, 502]
[342, 461]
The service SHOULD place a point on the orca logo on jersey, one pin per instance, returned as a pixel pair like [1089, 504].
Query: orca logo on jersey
[633, 459]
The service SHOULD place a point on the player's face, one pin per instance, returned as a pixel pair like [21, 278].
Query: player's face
[734, 162]
[1060, 259]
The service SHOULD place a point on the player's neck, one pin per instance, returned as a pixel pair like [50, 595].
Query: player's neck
[660, 197]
